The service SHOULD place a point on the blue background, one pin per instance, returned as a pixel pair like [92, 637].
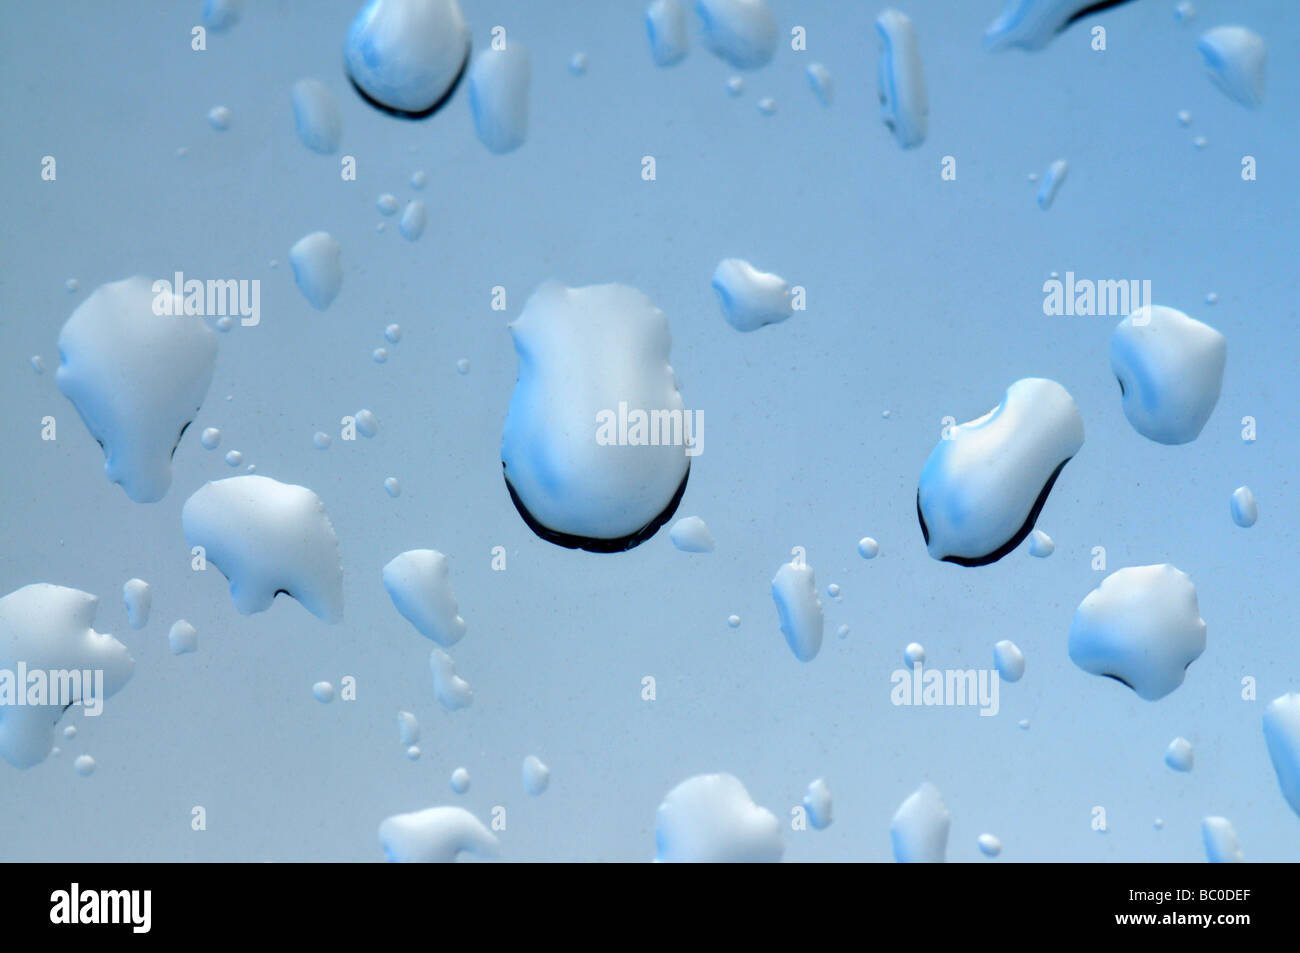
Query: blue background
[924, 299]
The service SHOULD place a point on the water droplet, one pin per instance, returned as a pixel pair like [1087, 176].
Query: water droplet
[1009, 660]
[324, 692]
[418, 179]
[989, 845]
[767, 106]
[268, 537]
[1221, 843]
[587, 355]
[1056, 173]
[919, 830]
[1234, 57]
[393, 333]
[665, 22]
[498, 97]
[234, 458]
[819, 78]
[817, 804]
[578, 64]
[750, 298]
[84, 765]
[1244, 509]
[221, 15]
[733, 621]
[414, 218]
[418, 582]
[711, 818]
[868, 548]
[1184, 117]
[137, 378]
[435, 835]
[537, 776]
[452, 691]
[735, 86]
[1141, 627]
[1282, 736]
[914, 654]
[904, 105]
[38, 364]
[1179, 754]
[460, 780]
[462, 366]
[405, 57]
[387, 204]
[742, 32]
[316, 116]
[317, 268]
[183, 638]
[795, 593]
[138, 598]
[408, 728]
[367, 423]
[691, 535]
[1040, 544]
[321, 440]
[1170, 370]
[379, 355]
[219, 118]
[987, 480]
[393, 488]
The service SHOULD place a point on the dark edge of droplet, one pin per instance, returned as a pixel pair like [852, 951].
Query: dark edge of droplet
[423, 113]
[592, 544]
[1089, 11]
[184, 427]
[1122, 391]
[925, 530]
[1021, 533]
[1118, 679]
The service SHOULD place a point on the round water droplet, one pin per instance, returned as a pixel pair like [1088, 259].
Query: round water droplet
[225, 323]
[733, 621]
[989, 845]
[842, 631]
[914, 654]
[767, 105]
[70, 732]
[1184, 117]
[324, 692]
[84, 765]
[462, 366]
[868, 548]
[321, 440]
[379, 355]
[578, 64]
[393, 487]
[38, 364]
[234, 458]
[418, 179]
[460, 780]
[413, 752]
[72, 285]
[219, 118]
[1244, 509]
[387, 204]
[833, 590]
[393, 332]
[735, 86]
[367, 423]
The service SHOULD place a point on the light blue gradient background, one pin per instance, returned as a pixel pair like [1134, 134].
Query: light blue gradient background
[924, 299]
